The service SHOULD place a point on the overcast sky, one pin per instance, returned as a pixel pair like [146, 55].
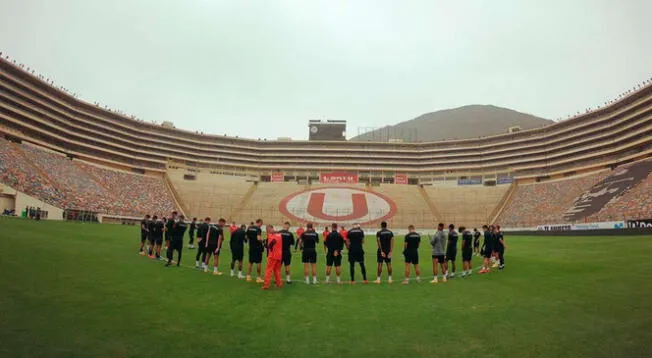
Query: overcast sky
[264, 68]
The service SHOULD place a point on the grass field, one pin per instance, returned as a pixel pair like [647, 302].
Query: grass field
[70, 289]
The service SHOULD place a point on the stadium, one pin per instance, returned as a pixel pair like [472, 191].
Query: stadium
[79, 158]
[572, 197]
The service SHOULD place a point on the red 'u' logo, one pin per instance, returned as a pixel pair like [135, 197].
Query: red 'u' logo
[316, 207]
[328, 204]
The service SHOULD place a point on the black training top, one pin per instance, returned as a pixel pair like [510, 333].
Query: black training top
[309, 239]
[144, 226]
[412, 239]
[288, 240]
[201, 231]
[335, 242]
[253, 232]
[356, 236]
[157, 229]
[179, 230]
[497, 237]
[385, 237]
[238, 239]
[214, 233]
[467, 239]
[488, 240]
[452, 241]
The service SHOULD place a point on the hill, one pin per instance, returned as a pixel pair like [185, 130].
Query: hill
[464, 122]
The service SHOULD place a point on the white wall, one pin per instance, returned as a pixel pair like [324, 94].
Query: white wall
[22, 200]
[6, 202]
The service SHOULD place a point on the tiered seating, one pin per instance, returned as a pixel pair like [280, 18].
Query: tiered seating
[265, 201]
[546, 203]
[18, 173]
[68, 184]
[132, 194]
[80, 191]
[411, 207]
[636, 202]
[209, 194]
[466, 205]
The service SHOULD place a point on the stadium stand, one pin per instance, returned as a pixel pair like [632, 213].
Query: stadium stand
[68, 184]
[469, 205]
[546, 202]
[412, 208]
[264, 203]
[132, 194]
[625, 194]
[211, 195]
[567, 159]
[66, 124]
[17, 172]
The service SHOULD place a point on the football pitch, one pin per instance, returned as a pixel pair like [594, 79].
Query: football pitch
[70, 289]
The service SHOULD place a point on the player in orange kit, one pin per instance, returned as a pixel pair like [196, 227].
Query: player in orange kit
[274, 258]
[345, 233]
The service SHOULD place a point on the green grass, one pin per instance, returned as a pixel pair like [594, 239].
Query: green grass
[71, 289]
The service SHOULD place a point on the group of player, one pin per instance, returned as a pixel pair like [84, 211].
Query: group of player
[169, 233]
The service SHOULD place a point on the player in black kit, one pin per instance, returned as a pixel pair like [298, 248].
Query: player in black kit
[308, 244]
[499, 243]
[411, 253]
[256, 248]
[157, 236]
[476, 242]
[385, 241]
[191, 233]
[334, 246]
[201, 244]
[214, 239]
[354, 244]
[467, 251]
[238, 238]
[168, 228]
[288, 242]
[144, 233]
[487, 248]
[176, 239]
[451, 249]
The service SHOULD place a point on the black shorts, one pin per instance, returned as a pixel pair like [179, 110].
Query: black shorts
[237, 254]
[287, 258]
[309, 256]
[380, 259]
[450, 255]
[256, 256]
[467, 255]
[210, 248]
[476, 244]
[411, 257]
[487, 252]
[440, 258]
[143, 236]
[332, 260]
[176, 245]
[356, 256]
[192, 238]
[158, 241]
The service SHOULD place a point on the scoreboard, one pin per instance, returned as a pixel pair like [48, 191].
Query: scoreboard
[327, 130]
